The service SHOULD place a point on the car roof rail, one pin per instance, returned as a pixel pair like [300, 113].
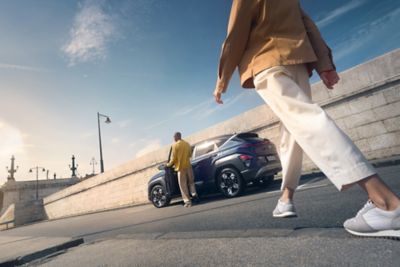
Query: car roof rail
[247, 135]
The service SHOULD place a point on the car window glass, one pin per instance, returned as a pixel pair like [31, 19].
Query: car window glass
[233, 142]
[253, 139]
[204, 148]
[220, 141]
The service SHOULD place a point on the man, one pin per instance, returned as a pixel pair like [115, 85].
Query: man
[276, 46]
[181, 153]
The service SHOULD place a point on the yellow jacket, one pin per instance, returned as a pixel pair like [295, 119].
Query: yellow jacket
[181, 153]
[267, 33]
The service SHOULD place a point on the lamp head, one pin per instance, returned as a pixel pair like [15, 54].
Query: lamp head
[108, 120]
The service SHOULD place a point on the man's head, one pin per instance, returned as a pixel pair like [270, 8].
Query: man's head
[177, 136]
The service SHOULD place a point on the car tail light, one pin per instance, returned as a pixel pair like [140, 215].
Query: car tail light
[246, 159]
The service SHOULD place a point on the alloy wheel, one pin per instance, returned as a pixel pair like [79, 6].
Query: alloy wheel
[158, 196]
[230, 184]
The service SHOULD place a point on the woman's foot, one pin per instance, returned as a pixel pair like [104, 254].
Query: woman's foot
[374, 222]
[284, 210]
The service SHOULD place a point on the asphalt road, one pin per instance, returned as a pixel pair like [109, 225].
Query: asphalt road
[321, 209]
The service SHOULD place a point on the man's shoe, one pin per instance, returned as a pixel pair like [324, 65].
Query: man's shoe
[187, 205]
[284, 210]
[374, 222]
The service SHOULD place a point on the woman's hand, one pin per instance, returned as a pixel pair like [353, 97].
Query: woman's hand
[329, 78]
[218, 97]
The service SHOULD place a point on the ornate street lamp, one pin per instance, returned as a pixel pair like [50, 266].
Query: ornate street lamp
[37, 178]
[12, 170]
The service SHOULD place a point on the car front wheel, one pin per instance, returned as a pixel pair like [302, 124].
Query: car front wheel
[159, 197]
[230, 183]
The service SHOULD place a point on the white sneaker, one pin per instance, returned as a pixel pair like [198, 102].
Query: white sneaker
[375, 222]
[284, 210]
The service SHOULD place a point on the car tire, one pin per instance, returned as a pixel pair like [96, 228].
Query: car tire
[158, 196]
[264, 181]
[230, 183]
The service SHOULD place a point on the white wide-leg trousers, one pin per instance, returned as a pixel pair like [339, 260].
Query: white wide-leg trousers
[306, 127]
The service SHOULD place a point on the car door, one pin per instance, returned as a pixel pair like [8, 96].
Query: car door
[202, 160]
[171, 178]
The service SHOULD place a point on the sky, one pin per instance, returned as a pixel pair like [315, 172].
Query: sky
[150, 65]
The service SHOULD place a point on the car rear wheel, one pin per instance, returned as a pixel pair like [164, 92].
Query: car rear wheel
[159, 196]
[230, 183]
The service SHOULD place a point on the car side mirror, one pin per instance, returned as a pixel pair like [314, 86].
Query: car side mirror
[161, 167]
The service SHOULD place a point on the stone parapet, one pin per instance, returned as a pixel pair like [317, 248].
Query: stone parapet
[365, 104]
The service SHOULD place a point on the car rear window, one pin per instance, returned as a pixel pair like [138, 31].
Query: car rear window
[247, 135]
[250, 137]
[253, 140]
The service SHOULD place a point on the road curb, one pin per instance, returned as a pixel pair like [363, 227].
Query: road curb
[377, 163]
[42, 253]
[386, 162]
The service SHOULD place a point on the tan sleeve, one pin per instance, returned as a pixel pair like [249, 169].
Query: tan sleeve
[174, 158]
[321, 49]
[235, 43]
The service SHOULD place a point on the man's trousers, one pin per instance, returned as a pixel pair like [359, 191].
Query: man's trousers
[305, 126]
[186, 183]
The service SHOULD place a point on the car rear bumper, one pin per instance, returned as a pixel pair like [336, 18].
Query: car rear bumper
[256, 173]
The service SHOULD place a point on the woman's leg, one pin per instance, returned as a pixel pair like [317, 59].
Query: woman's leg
[291, 156]
[379, 193]
[317, 134]
[283, 89]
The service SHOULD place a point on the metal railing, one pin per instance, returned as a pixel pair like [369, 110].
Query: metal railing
[7, 223]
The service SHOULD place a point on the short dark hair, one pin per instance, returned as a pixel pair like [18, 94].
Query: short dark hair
[178, 135]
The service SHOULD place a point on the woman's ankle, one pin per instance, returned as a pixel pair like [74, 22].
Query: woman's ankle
[386, 204]
[285, 200]
[379, 193]
[287, 195]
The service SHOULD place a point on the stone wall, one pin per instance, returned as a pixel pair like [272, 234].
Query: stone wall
[366, 105]
[22, 213]
[25, 191]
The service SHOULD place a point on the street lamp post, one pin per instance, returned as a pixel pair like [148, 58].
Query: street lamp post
[101, 150]
[93, 162]
[37, 178]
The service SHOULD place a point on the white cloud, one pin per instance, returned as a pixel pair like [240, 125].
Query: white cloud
[155, 125]
[365, 33]
[191, 109]
[125, 123]
[196, 109]
[149, 146]
[200, 111]
[88, 135]
[93, 29]
[115, 140]
[334, 14]
[227, 103]
[21, 68]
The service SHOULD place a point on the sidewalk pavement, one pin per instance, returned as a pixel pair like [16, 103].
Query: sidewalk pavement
[263, 244]
[17, 250]
[305, 247]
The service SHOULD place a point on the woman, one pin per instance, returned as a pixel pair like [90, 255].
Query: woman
[276, 46]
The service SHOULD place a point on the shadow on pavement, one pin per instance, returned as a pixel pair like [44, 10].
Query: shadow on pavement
[275, 185]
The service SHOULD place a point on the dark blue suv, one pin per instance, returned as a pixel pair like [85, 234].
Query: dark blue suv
[226, 163]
